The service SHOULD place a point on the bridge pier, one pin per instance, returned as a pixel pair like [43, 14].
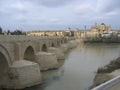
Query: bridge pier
[69, 45]
[64, 48]
[46, 60]
[60, 55]
[72, 44]
[23, 74]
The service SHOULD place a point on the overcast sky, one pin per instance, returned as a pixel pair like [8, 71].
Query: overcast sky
[58, 14]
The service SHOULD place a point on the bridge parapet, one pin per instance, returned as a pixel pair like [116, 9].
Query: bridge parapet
[13, 38]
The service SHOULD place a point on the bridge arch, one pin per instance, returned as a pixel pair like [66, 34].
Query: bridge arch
[3, 70]
[6, 54]
[52, 45]
[58, 42]
[5, 63]
[64, 40]
[44, 48]
[29, 54]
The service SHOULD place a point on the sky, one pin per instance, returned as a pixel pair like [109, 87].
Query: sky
[58, 14]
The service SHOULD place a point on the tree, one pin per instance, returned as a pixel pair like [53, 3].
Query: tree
[0, 30]
[17, 32]
[8, 32]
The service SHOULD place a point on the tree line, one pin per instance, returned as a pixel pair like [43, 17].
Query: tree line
[15, 32]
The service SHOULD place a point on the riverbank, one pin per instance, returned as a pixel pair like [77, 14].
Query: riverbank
[101, 40]
[107, 72]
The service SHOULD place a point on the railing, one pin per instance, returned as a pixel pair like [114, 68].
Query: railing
[108, 84]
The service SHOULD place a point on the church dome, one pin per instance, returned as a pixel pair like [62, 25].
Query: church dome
[102, 24]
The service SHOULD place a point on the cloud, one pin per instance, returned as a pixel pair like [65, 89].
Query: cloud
[107, 9]
[18, 5]
[54, 3]
[106, 16]
[112, 13]
[83, 9]
[57, 12]
[55, 20]
[104, 6]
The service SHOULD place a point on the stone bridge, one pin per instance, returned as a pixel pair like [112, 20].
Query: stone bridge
[22, 58]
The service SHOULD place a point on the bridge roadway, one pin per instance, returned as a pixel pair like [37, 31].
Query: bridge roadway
[22, 57]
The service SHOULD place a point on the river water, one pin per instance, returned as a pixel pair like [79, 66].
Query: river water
[78, 70]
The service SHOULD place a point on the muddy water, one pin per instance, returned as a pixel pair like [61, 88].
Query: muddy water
[77, 71]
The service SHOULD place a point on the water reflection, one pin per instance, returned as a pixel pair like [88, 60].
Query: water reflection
[49, 77]
[52, 75]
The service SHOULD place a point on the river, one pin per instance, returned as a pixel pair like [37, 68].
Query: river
[78, 70]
